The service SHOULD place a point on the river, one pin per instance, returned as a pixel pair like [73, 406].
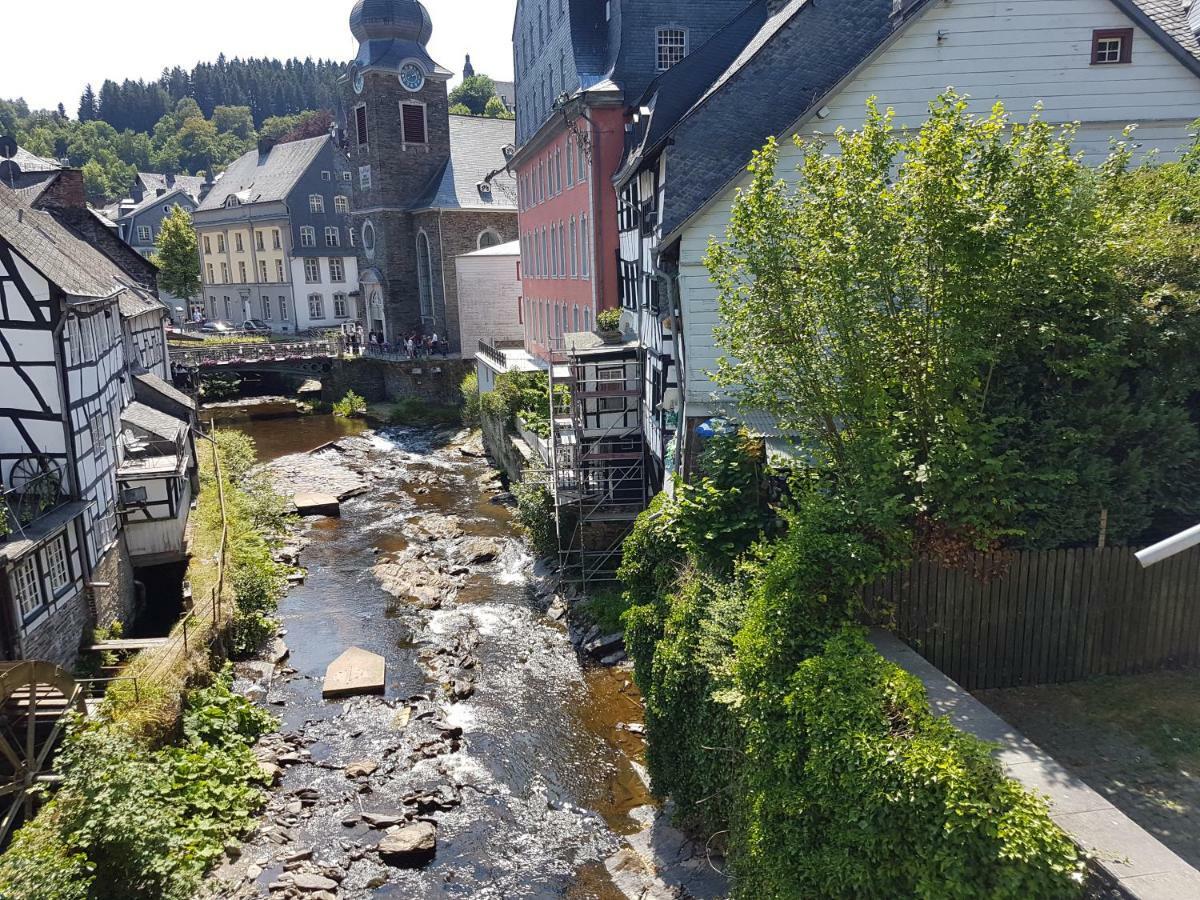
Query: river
[540, 788]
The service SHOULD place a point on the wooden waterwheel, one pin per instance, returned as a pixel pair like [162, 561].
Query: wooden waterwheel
[35, 701]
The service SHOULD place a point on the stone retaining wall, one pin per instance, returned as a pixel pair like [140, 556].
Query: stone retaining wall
[378, 381]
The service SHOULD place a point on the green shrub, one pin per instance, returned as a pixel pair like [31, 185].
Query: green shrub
[852, 788]
[130, 823]
[471, 400]
[414, 411]
[608, 320]
[536, 517]
[351, 406]
[525, 397]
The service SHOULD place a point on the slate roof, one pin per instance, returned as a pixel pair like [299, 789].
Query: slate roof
[133, 305]
[795, 59]
[507, 91]
[74, 265]
[152, 422]
[1171, 17]
[37, 173]
[152, 182]
[476, 151]
[31, 163]
[156, 385]
[265, 179]
[151, 199]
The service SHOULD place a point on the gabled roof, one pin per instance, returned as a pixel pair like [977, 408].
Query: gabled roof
[152, 182]
[152, 422]
[148, 388]
[31, 163]
[37, 174]
[266, 178]
[800, 54]
[151, 200]
[75, 266]
[476, 151]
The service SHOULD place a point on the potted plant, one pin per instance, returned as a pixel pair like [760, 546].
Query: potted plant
[608, 326]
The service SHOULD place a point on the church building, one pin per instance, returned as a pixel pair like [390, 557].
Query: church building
[428, 186]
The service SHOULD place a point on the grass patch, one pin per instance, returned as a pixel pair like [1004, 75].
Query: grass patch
[412, 411]
[605, 608]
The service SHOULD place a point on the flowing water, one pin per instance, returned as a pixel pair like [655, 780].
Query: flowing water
[543, 778]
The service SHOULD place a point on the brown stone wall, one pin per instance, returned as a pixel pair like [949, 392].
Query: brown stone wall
[57, 638]
[459, 233]
[114, 603]
[436, 380]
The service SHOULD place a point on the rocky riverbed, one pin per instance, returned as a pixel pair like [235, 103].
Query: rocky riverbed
[496, 764]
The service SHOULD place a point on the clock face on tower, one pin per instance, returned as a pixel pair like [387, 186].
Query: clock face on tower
[412, 77]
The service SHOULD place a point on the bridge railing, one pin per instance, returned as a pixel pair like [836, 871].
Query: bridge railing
[276, 351]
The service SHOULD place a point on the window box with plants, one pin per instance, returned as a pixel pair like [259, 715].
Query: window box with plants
[608, 326]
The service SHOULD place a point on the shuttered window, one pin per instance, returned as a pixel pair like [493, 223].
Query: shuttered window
[360, 121]
[412, 116]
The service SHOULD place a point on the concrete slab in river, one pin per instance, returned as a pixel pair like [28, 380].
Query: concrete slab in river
[356, 671]
[317, 505]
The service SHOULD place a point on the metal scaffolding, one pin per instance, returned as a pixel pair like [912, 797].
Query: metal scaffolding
[598, 455]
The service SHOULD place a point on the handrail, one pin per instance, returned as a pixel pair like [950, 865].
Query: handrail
[257, 352]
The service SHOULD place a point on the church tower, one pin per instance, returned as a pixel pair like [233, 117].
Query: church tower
[398, 140]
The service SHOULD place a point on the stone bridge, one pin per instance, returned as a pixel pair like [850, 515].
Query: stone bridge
[377, 376]
[307, 359]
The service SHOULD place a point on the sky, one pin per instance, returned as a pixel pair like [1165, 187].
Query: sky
[121, 39]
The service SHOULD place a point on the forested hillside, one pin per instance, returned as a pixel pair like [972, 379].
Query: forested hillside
[185, 122]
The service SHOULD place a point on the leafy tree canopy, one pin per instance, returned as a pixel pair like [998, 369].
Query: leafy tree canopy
[177, 256]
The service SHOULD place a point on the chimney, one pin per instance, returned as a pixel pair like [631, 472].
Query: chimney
[65, 191]
[265, 145]
[170, 177]
[206, 187]
[138, 191]
[159, 192]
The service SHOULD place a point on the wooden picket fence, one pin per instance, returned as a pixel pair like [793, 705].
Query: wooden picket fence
[1044, 617]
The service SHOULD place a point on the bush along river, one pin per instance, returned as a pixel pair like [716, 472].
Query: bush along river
[497, 764]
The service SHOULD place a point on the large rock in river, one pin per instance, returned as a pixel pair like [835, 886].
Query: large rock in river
[410, 847]
[417, 580]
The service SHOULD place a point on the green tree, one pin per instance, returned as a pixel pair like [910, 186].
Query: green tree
[474, 93]
[933, 315]
[236, 120]
[460, 109]
[177, 256]
[495, 109]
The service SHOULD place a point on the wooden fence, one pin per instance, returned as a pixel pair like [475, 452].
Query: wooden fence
[1047, 616]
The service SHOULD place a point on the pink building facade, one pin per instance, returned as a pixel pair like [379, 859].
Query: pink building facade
[568, 223]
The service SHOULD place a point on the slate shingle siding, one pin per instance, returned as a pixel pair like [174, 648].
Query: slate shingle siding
[331, 160]
[589, 49]
[821, 44]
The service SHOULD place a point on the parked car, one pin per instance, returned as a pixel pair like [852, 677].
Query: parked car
[218, 326]
[256, 326]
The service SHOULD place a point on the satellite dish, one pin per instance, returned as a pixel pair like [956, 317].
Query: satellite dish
[8, 147]
[9, 171]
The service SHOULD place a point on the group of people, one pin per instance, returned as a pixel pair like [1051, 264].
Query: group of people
[415, 346]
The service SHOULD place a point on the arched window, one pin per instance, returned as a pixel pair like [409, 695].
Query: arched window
[425, 275]
[488, 238]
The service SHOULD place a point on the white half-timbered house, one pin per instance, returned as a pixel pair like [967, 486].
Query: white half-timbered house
[67, 381]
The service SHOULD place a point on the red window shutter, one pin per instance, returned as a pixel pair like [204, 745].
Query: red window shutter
[413, 116]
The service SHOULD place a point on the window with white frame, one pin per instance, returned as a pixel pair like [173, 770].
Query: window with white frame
[326, 176]
[574, 249]
[277, 241]
[57, 569]
[241, 272]
[353, 236]
[26, 588]
[283, 309]
[312, 271]
[220, 243]
[279, 271]
[211, 280]
[672, 47]
[333, 236]
[340, 308]
[337, 269]
[488, 238]
[308, 236]
[316, 307]
[224, 273]
[341, 204]
[346, 176]
[316, 203]
[258, 241]
[364, 177]
[207, 245]
[262, 271]
[585, 255]
[237, 242]
[145, 234]
[266, 309]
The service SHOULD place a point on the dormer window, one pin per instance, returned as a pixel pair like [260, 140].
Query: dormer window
[1112, 46]
[231, 201]
[672, 47]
